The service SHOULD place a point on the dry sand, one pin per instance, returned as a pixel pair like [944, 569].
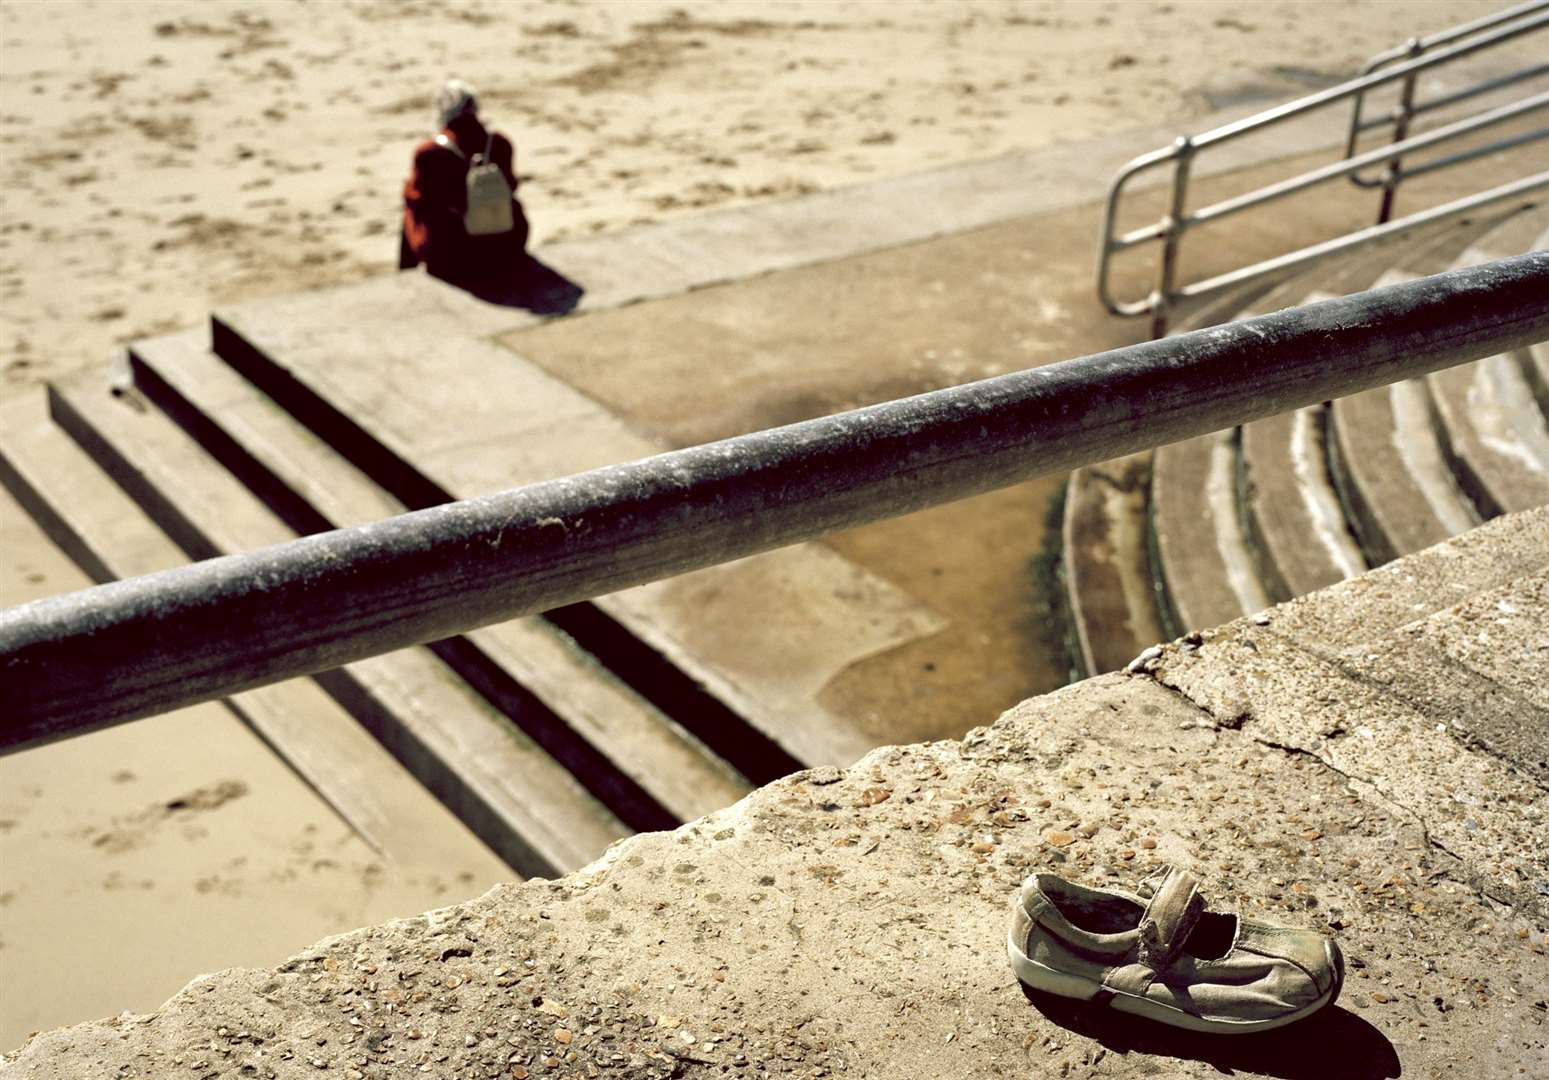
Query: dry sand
[162, 158]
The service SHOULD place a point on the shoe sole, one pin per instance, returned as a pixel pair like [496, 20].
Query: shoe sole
[1041, 977]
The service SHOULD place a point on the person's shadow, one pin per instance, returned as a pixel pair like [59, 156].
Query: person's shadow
[1334, 1042]
[529, 284]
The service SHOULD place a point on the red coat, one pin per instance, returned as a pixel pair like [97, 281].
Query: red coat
[435, 197]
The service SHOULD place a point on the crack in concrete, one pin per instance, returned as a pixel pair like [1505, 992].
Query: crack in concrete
[1366, 788]
[1468, 739]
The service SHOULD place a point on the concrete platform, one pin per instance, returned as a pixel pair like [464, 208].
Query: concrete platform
[851, 922]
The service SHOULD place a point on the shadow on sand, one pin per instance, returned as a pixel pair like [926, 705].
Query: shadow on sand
[1333, 1043]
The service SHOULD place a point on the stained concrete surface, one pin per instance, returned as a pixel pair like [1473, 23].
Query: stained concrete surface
[907, 312]
[1440, 716]
[850, 922]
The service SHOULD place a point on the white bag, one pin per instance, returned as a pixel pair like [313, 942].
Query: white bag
[489, 196]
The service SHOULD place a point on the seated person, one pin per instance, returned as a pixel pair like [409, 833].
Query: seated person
[455, 217]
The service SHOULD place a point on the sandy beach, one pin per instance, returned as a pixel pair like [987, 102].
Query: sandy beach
[161, 158]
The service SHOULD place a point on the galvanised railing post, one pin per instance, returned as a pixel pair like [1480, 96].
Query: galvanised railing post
[1403, 113]
[1174, 226]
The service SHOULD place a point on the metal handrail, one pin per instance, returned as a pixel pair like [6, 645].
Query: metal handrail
[1406, 111]
[81, 661]
[1511, 78]
[1447, 47]
[1416, 46]
[1454, 33]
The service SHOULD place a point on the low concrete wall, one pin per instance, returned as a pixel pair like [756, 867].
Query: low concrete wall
[851, 923]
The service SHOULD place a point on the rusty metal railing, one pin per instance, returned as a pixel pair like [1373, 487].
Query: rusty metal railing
[72, 663]
[1401, 66]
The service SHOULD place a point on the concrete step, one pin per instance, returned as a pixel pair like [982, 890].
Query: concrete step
[1295, 523]
[1229, 305]
[1207, 567]
[1232, 512]
[1223, 565]
[1465, 651]
[1398, 493]
[397, 379]
[649, 771]
[1296, 527]
[513, 795]
[1338, 275]
[1492, 430]
[1494, 434]
[1218, 565]
[1108, 577]
[109, 537]
[1343, 621]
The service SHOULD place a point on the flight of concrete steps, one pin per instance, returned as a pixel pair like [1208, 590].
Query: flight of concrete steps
[1202, 532]
[550, 736]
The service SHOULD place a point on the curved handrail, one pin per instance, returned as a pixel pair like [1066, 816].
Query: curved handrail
[1404, 65]
[1414, 47]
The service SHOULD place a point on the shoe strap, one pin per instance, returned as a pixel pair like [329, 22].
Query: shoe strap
[1169, 919]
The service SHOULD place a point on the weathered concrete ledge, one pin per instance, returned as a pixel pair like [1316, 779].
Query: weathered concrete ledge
[849, 923]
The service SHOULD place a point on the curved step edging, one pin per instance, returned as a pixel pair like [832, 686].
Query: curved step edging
[1204, 561]
[1487, 438]
[1293, 518]
[1108, 579]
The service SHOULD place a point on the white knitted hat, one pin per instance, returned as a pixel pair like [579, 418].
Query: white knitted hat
[453, 100]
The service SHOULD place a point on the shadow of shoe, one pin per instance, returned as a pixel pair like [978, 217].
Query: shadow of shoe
[530, 285]
[1333, 1042]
